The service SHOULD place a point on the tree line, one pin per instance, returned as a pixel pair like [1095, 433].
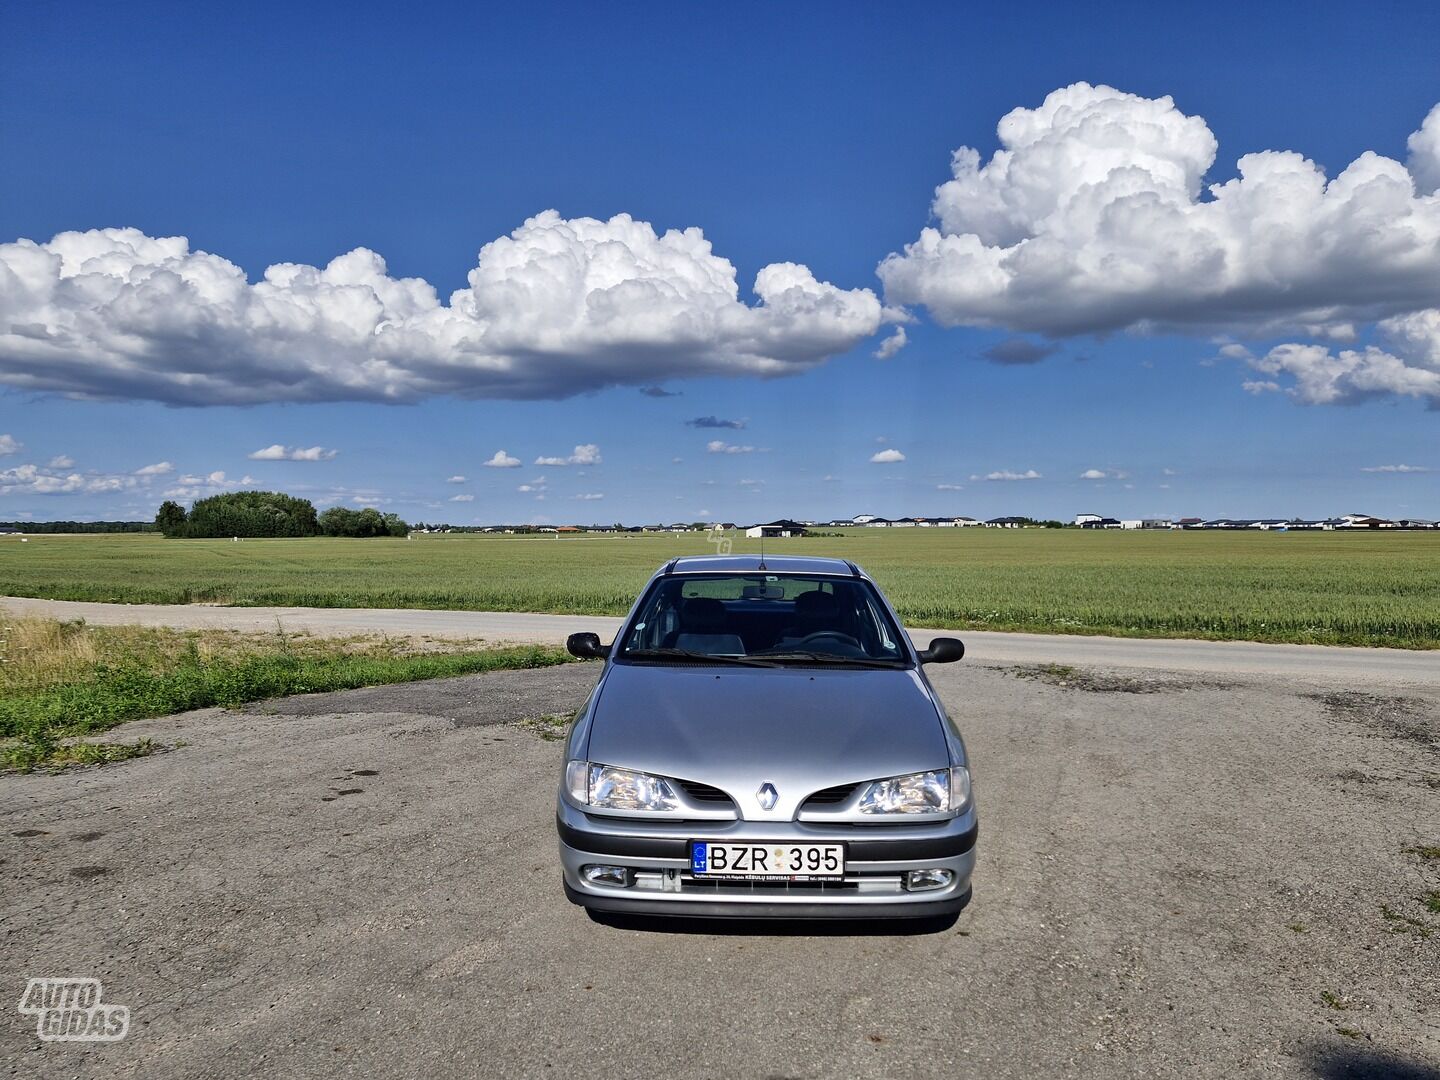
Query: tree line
[271, 514]
[38, 527]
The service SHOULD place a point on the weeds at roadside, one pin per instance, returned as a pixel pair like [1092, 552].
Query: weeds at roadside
[1404, 924]
[551, 727]
[1424, 851]
[46, 752]
[1336, 1001]
[61, 682]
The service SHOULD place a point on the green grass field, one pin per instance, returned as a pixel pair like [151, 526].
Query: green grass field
[1332, 588]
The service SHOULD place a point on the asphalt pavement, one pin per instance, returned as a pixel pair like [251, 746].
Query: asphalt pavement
[1179, 875]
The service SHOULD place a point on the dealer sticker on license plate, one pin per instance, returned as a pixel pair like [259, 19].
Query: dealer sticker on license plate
[772, 861]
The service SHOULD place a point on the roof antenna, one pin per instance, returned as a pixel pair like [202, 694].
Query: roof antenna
[762, 565]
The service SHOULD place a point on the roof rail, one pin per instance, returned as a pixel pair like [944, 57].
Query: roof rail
[670, 566]
[853, 568]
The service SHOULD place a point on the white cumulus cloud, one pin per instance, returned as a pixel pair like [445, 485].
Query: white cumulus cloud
[1396, 469]
[455, 480]
[462, 498]
[1094, 216]
[586, 454]
[193, 486]
[1102, 474]
[61, 461]
[1007, 474]
[35, 480]
[277, 452]
[160, 468]
[1320, 375]
[501, 460]
[886, 457]
[1424, 159]
[9, 445]
[720, 446]
[557, 308]
[589, 496]
[897, 340]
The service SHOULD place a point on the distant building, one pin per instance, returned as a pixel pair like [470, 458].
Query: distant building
[1087, 519]
[775, 530]
[1006, 523]
[1101, 523]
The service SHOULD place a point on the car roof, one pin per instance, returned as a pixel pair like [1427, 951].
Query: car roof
[775, 564]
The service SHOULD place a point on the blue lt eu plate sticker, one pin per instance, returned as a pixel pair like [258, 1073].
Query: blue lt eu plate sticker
[697, 858]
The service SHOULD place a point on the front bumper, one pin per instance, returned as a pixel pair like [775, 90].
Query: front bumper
[657, 854]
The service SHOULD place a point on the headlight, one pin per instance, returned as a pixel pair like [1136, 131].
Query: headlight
[936, 792]
[609, 788]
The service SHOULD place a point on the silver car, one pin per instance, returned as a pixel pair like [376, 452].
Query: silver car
[763, 743]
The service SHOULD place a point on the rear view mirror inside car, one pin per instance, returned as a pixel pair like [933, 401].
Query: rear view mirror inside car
[763, 592]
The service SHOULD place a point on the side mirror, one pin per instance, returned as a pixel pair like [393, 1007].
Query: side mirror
[943, 650]
[587, 646]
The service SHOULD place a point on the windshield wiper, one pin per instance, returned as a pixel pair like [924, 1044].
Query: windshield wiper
[686, 654]
[832, 658]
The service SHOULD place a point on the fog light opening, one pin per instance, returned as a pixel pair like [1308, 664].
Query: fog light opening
[617, 877]
[927, 880]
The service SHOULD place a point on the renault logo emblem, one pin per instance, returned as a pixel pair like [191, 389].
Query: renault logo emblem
[767, 796]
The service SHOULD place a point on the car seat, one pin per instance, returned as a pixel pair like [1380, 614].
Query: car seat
[703, 629]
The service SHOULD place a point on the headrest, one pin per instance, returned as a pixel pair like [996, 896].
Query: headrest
[816, 605]
[703, 615]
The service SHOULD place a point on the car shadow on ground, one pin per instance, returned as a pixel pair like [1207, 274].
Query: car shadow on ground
[670, 924]
[747, 927]
[1366, 1063]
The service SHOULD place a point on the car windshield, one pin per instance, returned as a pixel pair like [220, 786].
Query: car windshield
[763, 618]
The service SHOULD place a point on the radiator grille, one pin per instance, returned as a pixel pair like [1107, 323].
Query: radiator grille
[705, 795]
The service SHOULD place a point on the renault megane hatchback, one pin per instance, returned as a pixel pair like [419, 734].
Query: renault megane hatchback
[763, 742]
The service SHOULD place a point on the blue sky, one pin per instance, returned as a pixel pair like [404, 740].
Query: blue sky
[809, 135]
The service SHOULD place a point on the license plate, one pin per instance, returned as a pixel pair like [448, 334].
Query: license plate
[767, 861]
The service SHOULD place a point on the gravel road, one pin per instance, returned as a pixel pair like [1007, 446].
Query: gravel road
[1369, 667]
[1180, 875]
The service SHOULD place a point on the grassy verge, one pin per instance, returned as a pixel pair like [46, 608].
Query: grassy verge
[61, 684]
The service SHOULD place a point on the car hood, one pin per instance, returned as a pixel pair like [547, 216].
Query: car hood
[800, 729]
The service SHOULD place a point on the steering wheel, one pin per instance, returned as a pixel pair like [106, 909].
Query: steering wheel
[835, 635]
